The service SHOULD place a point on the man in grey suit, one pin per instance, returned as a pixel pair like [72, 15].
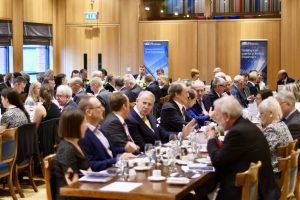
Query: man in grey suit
[132, 86]
[114, 126]
[291, 115]
[64, 98]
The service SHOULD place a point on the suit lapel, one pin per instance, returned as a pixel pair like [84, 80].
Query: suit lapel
[97, 142]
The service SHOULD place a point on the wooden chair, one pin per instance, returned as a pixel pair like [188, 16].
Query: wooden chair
[248, 180]
[48, 165]
[8, 153]
[27, 150]
[287, 149]
[284, 165]
[297, 187]
[293, 174]
[164, 99]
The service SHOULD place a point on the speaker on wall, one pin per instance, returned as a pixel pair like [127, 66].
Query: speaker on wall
[85, 61]
[99, 61]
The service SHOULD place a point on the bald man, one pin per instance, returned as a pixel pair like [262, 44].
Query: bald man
[283, 78]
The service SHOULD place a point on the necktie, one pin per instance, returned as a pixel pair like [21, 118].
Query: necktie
[127, 132]
[147, 122]
[183, 112]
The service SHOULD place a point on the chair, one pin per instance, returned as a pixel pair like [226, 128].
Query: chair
[248, 180]
[27, 150]
[48, 136]
[48, 163]
[297, 188]
[287, 149]
[293, 174]
[8, 153]
[284, 165]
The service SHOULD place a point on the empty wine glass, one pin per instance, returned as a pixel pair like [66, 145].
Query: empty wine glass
[157, 145]
[149, 151]
[173, 140]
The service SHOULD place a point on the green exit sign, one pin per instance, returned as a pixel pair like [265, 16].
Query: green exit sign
[91, 15]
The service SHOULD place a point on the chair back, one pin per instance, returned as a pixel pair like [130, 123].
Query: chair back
[248, 180]
[48, 136]
[48, 163]
[284, 165]
[28, 142]
[287, 149]
[293, 173]
[292, 146]
[8, 145]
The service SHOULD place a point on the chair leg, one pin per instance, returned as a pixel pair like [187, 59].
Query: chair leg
[11, 187]
[17, 183]
[30, 176]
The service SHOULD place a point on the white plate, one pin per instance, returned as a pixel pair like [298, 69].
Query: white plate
[156, 178]
[204, 160]
[141, 168]
[178, 180]
[181, 162]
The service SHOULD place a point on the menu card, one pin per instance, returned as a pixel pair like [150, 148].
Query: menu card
[121, 186]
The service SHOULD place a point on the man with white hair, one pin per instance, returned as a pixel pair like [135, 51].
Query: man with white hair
[64, 97]
[96, 73]
[77, 87]
[203, 104]
[253, 78]
[218, 87]
[244, 143]
[291, 116]
[132, 86]
[236, 90]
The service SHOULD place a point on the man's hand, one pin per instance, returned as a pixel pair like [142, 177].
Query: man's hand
[127, 156]
[131, 147]
[187, 129]
[211, 132]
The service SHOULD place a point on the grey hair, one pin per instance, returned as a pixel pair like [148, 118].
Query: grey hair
[286, 96]
[146, 93]
[229, 105]
[253, 76]
[238, 79]
[220, 74]
[96, 73]
[271, 104]
[97, 81]
[65, 89]
[218, 81]
[294, 88]
[197, 83]
[130, 79]
[76, 80]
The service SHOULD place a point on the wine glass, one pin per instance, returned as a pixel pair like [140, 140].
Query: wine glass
[173, 139]
[157, 145]
[149, 151]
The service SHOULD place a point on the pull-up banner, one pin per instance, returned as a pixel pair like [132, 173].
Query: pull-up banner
[254, 56]
[156, 56]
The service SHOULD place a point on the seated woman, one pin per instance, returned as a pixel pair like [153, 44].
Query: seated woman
[34, 94]
[262, 95]
[48, 110]
[15, 114]
[70, 158]
[201, 118]
[275, 130]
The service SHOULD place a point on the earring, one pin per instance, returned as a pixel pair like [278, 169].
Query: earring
[271, 116]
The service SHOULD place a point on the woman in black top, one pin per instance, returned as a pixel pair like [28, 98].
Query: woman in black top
[70, 158]
[48, 110]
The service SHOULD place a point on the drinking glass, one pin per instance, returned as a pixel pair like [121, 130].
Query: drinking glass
[149, 151]
[173, 140]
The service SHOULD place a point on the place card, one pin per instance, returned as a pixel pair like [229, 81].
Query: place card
[121, 186]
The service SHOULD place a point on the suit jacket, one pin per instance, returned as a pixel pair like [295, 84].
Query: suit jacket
[140, 132]
[70, 105]
[152, 87]
[136, 91]
[109, 87]
[201, 118]
[164, 90]
[197, 107]
[213, 96]
[288, 80]
[238, 96]
[293, 123]
[78, 96]
[97, 155]
[244, 143]
[253, 89]
[129, 94]
[104, 97]
[114, 131]
[171, 117]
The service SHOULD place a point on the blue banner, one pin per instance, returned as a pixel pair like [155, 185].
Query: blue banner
[254, 56]
[156, 56]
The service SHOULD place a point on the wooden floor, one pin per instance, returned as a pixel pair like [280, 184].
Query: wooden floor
[27, 190]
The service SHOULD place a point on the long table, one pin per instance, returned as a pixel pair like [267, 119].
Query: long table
[148, 190]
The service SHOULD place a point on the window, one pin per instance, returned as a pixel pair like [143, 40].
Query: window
[37, 58]
[4, 59]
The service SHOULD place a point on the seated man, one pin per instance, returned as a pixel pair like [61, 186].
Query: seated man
[77, 87]
[64, 97]
[283, 78]
[203, 104]
[217, 89]
[142, 123]
[173, 113]
[132, 87]
[244, 143]
[116, 129]
[252, 83]
[236, 90]
[101, 154]
[291, 116]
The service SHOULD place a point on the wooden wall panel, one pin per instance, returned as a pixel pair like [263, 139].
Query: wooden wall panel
[6, 9]
[129, 35]
[182, 37]
[207, 49]
[75, 9]
[17, 42]
[290, 38]
[40, 11]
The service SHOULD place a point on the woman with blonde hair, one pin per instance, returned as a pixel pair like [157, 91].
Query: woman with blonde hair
[275, 130]
[295, 89]
[33, 95]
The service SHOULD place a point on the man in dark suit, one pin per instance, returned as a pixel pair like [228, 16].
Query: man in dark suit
[142, 123]
[115, 128]
[102, 94]
[141, 75]
[244, 143]
[203, 104]
[291, 115]
[132, 86]
[64, 98]
[153, 87]
[110, 83]
[283, 78]
[77, 87]
[253, 77]
[173, 113]
[120, 86]
[100, 152]
[237, 90]
[217, 90]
